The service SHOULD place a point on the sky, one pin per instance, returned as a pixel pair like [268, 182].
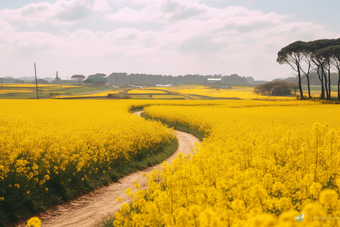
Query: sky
[167, 37]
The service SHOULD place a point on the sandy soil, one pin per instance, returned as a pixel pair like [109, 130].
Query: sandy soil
[90, 209]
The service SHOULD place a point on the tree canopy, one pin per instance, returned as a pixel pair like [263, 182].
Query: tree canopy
[78, 78]
[97, 75]
[317, 55]
[266, 88]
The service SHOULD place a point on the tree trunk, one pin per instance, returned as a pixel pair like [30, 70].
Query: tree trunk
[326, 82]
[322, 96]
[308, 84]
[339, 84]
[300, 84]
[329, 82]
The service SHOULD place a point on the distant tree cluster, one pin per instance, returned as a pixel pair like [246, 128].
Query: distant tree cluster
[11, 79]
[266, 88]
[313, 79]
[97, 75]
[321, 56]
[78, 78]
[122, 79]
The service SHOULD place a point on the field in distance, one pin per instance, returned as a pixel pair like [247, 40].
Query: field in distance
[180, 92]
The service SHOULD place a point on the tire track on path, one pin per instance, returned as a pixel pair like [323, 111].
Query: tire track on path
[89, 210]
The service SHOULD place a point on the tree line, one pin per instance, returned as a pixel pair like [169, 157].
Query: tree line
[151, 79]
[124, 79]
[320, 56]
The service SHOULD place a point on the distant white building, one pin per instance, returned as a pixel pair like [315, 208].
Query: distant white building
[214, 80]
[159, 85]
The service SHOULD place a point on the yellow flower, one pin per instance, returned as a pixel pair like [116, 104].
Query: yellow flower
[34, 222]
[329, 199]
[182, 218]
[263, 220]
[208, 218]
[315, 190]
[285, 204]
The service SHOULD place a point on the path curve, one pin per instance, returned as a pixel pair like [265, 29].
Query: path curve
[90, 209]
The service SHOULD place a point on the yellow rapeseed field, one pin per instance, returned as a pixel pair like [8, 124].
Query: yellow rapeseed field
[99, 94]
[259, 165]
[13, 91]
[39, 85]
[55, 149]
[145, 91]
[236, 92]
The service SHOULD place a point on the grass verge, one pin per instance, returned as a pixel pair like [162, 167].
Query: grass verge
[180, 127]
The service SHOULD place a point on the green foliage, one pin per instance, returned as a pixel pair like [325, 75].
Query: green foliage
[330, 52]
[318, 55]
[77, 76]
[291, 53]
[118, 96]
[199, 134]
[266, 88]
[97, 75]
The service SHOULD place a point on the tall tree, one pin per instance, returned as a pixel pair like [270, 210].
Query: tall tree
[333, 54]
[306, 73]
[320, 63]
[78, 78]
[293, 55]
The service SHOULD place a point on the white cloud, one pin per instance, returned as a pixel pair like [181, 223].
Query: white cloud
[155, 36]
[6, 33]
[126, 15]
[61, 12]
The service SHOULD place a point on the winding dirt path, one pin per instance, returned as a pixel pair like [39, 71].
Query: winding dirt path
[90, 209]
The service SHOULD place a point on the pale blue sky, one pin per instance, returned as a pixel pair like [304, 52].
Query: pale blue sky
[158, 36]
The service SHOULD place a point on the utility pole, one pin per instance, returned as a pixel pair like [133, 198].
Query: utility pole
[36, 80]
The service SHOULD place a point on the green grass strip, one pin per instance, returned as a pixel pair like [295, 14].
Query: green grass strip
[180, 127]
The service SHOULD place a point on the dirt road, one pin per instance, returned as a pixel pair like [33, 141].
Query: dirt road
[89, 210]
